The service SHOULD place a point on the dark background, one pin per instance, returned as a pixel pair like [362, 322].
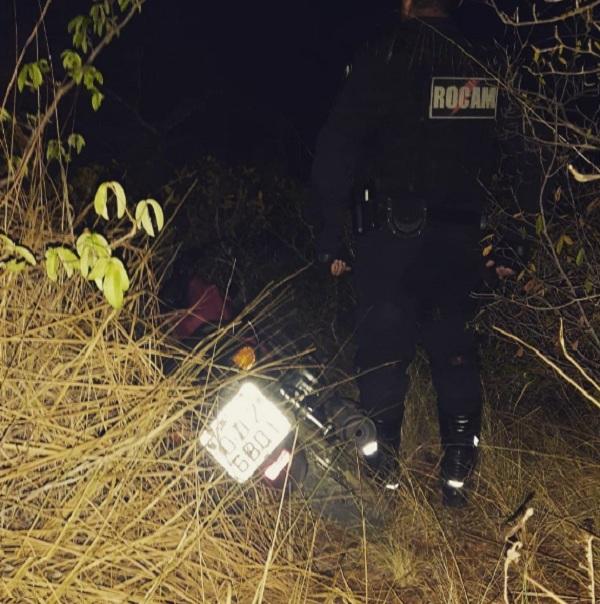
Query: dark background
[248, 82]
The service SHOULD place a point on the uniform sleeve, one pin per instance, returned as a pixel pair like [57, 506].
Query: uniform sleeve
[354, 118]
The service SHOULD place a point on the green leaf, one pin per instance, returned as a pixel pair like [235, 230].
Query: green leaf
[89, 78]
[99, 270]
[52, 264]
[7, 245]
[32, 75]
[143, 218]
[71, 60]
[78, 27]
[562, 241]
[98, 14]
[69, 260]
[91, 247]
[23, 252]
[76, 141]
[539, 225]
[580, 257]
[83, 241]
[15, 266]
[44, 65]
[54, 151]
[86, 261]
[4, 115]
[23, 77]
[73, 65]
[100, 243]
[97, 98]
[36, 76]
[101, 199]
[116, 282]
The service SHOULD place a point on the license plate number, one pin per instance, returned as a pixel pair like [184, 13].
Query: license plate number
[245, 432]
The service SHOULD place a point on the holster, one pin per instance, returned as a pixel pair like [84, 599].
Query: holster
[404, 214]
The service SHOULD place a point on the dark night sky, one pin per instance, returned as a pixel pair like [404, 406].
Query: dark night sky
[255, 80]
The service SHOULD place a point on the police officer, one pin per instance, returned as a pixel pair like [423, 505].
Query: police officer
[416, 121]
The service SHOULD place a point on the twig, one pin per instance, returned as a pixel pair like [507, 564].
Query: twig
[551, 363]
[589, 554]
[544, 590]
[520, 525]
[513, 553]
[586, 8]
[579, 177]
[572, 360]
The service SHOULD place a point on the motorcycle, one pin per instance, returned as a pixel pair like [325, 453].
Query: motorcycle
[282, 425]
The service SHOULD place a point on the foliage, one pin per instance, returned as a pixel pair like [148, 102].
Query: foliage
[90, 33]
[93, 257]
[56, 151]
[554, 86]
[13, 257]
[32, 75]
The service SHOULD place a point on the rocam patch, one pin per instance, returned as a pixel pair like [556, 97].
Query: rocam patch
[463, 98]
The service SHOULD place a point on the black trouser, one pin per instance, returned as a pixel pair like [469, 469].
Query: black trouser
[417, 290]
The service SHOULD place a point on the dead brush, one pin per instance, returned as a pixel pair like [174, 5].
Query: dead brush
[96, 504]
[100, 502]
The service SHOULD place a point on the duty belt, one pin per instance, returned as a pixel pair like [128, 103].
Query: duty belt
[407, 225]
[408, 218]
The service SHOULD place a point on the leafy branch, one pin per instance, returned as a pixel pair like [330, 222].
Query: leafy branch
[92, 256]
[110, 20]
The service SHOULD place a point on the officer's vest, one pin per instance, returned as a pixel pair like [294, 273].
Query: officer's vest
[439, 141]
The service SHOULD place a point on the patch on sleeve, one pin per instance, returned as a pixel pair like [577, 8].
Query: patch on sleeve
[463, 98]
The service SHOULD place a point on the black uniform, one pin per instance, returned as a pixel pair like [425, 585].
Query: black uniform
[416, 119]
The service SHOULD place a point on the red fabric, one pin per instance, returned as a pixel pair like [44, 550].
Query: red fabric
[204, 304]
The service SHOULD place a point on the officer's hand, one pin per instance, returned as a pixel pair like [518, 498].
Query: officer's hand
[503, 272]
[339, 268]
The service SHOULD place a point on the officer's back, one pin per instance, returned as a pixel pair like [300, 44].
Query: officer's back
[437, 113]
[417, 114]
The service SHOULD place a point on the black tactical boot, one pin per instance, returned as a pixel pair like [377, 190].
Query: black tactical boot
[460, 438]
[382, 466]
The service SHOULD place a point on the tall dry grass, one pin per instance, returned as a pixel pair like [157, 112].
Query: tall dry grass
[106, 497]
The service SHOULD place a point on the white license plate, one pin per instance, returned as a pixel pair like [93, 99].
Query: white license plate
[245, 432]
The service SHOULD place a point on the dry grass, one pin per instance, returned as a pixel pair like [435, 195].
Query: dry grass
[103, 500]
